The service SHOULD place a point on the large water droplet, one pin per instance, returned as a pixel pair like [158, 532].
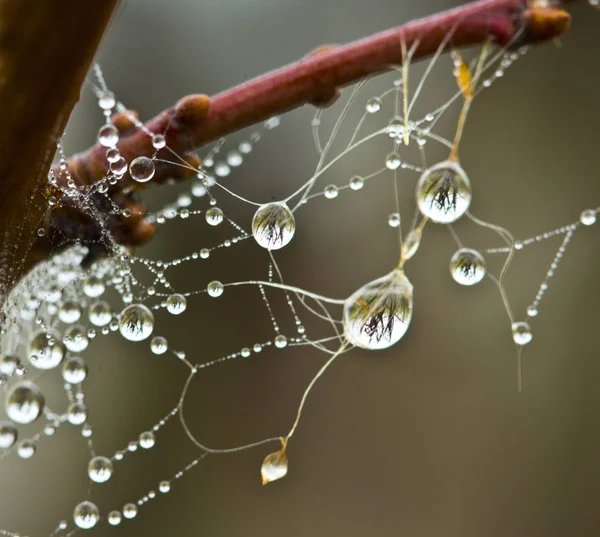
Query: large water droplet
[522, 334]
[214, 216]
[141, 169]
[378, 314]
[136, 322]
[86, 515]
[75, 370]
[75, 339]
[24, 403]
[46, 350]
[176, 304]
[100, 469]
[69, 312]
[467, 266]
[100, 313]
[77, 413]
[273, 225]
[444, 192]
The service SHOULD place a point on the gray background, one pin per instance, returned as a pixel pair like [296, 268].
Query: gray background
[427, 439]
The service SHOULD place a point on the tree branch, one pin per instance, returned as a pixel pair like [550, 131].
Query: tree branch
[46, 48]
[74, 29]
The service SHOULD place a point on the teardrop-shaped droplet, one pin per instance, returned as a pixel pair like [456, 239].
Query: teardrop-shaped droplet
[444, 192]
[273, 225]
[467, 266]
[274, 467]
[411, 244]
[378, 314]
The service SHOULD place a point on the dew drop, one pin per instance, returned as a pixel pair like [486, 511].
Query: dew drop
[100, 469]
[274, 467]
[273, 225]
[467, 266]
[136, 322]
[108, 135]
[214, 216]
[93, 287]
[106, 101]
[532, 311]
[77, 413]
[8, 435]
[74, 370]
[159, 345]
[521, 333]
[444, 192]
[176, 304]
[100, 313]
[147, 440]
[378, 314]
[164, 487]
[75, 339]
[141, 169]
[393, 161]
[331, 192]
[280, 341]
[86, 515]
[588, 217]
[158, 141]
[69, 312]
[9, 364]
[215, 289]
[373, 105]
[26, 449]
[130, 510]
[394, 220]
[114, 518]
[46, 350]
[357, 182]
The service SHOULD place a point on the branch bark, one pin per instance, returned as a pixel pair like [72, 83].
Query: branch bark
[46, 48]
[63, 37]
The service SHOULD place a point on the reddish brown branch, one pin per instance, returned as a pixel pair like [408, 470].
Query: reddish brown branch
[196, 120]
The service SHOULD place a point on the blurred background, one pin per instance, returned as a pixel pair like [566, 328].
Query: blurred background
[427, 439]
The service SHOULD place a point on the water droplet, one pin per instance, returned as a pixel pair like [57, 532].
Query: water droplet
[147, 440]
[141, 169]
[46, 350]
[108, 135]
[273, 225]
[69, 312]
[77, 413]
[280, 341]
[86, 515]
[331, 192]
[100, 313]
[26, 449]
[215, 289]
[394, 220]
[100, 469]
[9, 364]
[176, 304]
[444, 192]
[373, 105]
[75, 339]
[357, 182]
[118, 167]
[274, 467]
[164, 486]
[467, 266]
[214, 216]
[93, 287]
[159, 345]
[158, 141]
[234, 158]
[112, 154]
[130, 510]
[74, 370]
[532, 311]
[205, 253]
[106, 101]
[588, 217]
[521, 333]
[114, 518]
[393, 161]
[378, 314]
[395, 128]
[8, 434]
[136, 322]
[411, 244]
